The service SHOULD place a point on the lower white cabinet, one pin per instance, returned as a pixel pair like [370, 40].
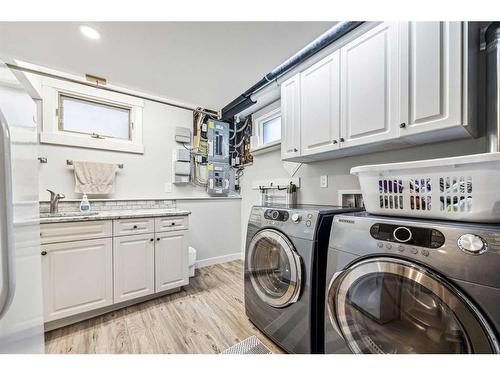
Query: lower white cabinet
[77, 277]
[133, 264]
[80, 275]
[171, 260]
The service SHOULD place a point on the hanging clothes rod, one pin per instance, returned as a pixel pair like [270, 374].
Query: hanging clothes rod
[70, 162]
[96, 86]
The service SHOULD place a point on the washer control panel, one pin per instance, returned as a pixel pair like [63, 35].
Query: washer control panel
[423, 237]
[276, 215]
[472, 244]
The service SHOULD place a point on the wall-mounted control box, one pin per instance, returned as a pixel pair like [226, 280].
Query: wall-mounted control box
[182, 135]
[181, 166]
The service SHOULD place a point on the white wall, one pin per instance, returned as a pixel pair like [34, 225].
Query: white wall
[215, 229]
[269, 165]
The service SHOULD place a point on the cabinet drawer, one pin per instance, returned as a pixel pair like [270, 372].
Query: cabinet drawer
[133, 226]
[74, 231]
[164, 224]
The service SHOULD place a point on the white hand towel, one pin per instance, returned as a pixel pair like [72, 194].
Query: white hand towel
[94, 178]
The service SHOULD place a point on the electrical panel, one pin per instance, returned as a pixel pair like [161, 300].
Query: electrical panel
[218, 178]
[218, 141]
[218, 168]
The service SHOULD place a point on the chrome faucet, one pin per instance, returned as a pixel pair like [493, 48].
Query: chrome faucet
[54, 201]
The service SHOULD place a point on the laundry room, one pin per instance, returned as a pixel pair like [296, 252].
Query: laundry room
[207, 182]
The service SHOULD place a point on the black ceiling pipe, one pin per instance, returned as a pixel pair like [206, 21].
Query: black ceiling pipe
[331, 35]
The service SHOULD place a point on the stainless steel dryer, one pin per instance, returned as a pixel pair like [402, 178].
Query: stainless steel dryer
[399, 285]
[285, 265]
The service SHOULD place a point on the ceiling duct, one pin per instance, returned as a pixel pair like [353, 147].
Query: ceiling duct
[331, 35]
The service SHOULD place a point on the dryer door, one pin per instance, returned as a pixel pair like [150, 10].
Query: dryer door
[388, 305]
[274, 268]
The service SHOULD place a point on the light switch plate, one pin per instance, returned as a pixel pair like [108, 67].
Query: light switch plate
[323, 181]
[168, 187]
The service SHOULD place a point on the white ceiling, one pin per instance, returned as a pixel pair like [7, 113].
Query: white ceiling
[202, 63]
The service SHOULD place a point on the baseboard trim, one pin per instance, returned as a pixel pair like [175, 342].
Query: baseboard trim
[218, 260]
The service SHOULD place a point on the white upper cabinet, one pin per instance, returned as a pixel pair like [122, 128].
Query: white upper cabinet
[389, 85]
[290, 117]
[370, 87]
[320, 106]
[431, 82]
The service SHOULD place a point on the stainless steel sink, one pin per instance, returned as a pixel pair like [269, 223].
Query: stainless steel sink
[67, 214]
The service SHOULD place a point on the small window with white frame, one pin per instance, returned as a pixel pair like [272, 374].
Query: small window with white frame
[96, 119]
[268, 128]
[82, 116]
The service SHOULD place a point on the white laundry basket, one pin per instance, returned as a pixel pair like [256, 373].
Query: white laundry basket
[464, 188]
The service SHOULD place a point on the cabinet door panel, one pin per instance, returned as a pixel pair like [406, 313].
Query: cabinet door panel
[77, 277]
[369, 87]
[133, 261]
[171, 260]
[320, 106]
[290, 117]
[433, 79]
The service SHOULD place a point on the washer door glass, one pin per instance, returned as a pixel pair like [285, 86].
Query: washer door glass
[386, 305]
[274, 268]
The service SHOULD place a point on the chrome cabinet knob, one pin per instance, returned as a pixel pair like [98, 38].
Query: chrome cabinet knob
[472, 244]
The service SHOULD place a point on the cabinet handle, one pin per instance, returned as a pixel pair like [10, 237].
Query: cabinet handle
[342, 139]
[135, 226]
[295, 150]
[334, 142]
[158, 239]
[402, 125]
[152, 239]
[172, 223]
[44, 253]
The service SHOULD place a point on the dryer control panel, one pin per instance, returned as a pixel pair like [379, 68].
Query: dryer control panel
[424, 237]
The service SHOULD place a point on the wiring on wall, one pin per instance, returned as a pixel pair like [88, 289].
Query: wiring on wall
[199, 151]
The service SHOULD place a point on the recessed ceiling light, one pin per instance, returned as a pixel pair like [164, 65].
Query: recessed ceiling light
[89, 32]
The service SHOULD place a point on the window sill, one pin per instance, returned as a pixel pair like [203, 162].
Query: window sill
[87, 142]
[272, 146]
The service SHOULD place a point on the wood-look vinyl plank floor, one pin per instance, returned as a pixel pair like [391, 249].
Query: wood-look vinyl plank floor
[205, 317]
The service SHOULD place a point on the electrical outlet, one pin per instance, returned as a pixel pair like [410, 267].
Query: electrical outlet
[323, 181]
[168, 187]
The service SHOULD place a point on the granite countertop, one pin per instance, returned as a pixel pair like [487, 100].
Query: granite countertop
[110, 215]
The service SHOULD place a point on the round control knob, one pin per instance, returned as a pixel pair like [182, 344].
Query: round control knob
[402, 234]
[275, 214]
[472, 244]
[296, 218]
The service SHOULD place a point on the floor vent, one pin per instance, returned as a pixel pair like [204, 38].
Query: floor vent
[251, 345]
